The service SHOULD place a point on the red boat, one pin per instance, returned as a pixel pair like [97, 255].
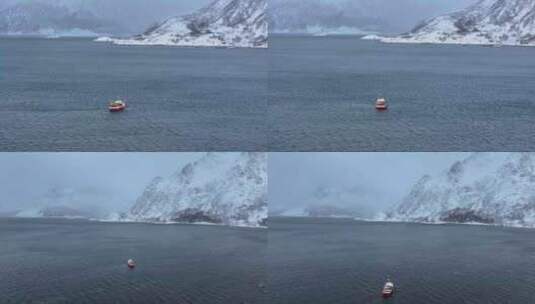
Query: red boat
[388, 289]
[381, 104]
[117, 106]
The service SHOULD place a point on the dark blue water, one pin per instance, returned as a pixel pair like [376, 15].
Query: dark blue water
[345, 261]
[54, 94]
[442, 98]
[55, 261]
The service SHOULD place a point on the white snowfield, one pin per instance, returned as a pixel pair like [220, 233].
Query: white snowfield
[104, 39]
[485, 188]
[220, 188]
[223, 23]
[488, 22]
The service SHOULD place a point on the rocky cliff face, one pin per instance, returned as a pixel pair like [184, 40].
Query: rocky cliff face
[489, 188]
[223, 23]
[496, 22]
[220, 188]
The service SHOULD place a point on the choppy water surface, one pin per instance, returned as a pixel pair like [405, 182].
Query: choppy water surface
[442, 97]
[303, 94]
[345, 261]
[54, 95]
[55, 261]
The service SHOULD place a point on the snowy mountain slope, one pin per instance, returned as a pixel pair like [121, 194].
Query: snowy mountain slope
[490, 188]
[41, 19]
[488, 22]
[223, 23]
[220, 188]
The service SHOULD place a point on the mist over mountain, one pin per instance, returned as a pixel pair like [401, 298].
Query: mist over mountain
[323, 17]
[124, 16]
[346, 184]
[332, 201]
[317, 17]
[95, 184]
[35, 18]
[83, 202]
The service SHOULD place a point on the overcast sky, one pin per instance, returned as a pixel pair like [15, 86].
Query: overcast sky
[394, 15]
[366, 182]
[136, 15]
[401, 15]
[110, 182]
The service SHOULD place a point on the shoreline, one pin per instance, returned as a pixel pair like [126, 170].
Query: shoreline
[94, 220]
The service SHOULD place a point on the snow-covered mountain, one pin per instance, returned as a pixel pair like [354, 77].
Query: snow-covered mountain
[313, 17]
[490, 188]
[41, 19]
[219, 188]
[488, 22]
[223, 23]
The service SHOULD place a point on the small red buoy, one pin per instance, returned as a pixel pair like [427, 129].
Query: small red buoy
[131, 264]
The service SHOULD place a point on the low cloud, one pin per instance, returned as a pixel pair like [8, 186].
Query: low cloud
[102, 182]
[363, 183]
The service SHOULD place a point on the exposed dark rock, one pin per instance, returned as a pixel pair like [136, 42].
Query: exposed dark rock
[464, 215]
[191, 215]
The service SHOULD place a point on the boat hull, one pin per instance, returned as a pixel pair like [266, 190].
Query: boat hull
[387, 295]
[117, 109]
[381, 108]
